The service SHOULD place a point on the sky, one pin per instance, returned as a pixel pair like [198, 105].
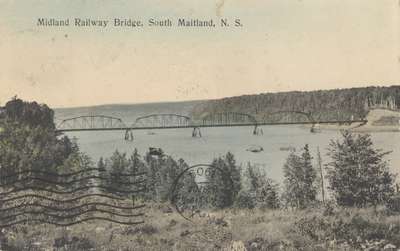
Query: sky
[283, 45]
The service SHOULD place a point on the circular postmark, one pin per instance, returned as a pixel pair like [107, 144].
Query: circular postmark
[199, 188]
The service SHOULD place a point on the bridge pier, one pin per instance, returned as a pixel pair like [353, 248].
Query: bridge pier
[196, 132]
[128, 135]
[258, 131]
[315, 128]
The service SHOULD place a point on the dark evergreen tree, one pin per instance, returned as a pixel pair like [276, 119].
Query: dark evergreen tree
[166, 176]
[245, 199]
[310, 184]
[136, 163]
[292, 184]
[161, 172]
[223, 183]
[263, 191]
[187, 193]
[28, 141]
[269, 197]
[153, 165]
[139, 175]
[300, 184]
[103, 174]
[358, 174]
[118, 165]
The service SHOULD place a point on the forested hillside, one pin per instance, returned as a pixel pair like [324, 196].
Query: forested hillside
[338, 104]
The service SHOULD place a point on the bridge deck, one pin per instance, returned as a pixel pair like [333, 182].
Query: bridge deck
[210, 125]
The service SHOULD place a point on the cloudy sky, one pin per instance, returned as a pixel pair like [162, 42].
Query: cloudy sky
[283, 45]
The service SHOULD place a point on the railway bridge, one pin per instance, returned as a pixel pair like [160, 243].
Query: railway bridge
[177, 121]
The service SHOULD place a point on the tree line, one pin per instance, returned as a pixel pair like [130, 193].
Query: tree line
[338, 104]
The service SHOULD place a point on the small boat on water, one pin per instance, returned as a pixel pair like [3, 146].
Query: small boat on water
[156, 151]
[287, 149]
[151, 133]
[255, 149]
[315, 128]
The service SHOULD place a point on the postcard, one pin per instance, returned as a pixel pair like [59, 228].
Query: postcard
[200, 125]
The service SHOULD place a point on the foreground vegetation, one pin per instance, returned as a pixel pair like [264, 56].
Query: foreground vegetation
[239, 208]
[314, 228]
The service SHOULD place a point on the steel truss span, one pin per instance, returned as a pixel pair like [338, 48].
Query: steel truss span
[170, 121]
[279, 116]
[162, 121]
[228, 118]
[91, 122]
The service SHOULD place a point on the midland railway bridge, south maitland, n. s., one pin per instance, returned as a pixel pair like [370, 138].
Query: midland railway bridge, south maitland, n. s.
[176, 121]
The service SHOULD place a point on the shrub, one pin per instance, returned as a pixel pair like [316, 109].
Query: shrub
[244, 200]
[354, 229]
[393, 204]
[74, 243]
[262, 190]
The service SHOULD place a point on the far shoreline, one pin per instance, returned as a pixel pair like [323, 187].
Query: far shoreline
[361, 129]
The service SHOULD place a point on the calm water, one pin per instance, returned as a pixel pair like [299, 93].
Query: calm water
[217, 141]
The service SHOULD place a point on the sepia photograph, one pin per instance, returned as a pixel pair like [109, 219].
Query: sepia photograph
[200, 125]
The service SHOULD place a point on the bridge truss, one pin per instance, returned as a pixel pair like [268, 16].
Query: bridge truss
[92, 122]
[230, 119]
[282, 117]
[168, 121]
[162, 121]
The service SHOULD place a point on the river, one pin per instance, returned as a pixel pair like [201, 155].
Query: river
[216, 142]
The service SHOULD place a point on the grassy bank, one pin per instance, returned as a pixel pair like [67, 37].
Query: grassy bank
[312, 229]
